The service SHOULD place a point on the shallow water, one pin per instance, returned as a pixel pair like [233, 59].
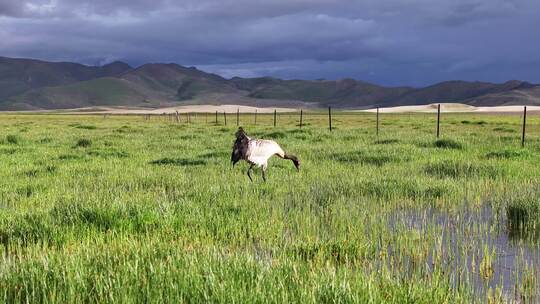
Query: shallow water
[461, 239]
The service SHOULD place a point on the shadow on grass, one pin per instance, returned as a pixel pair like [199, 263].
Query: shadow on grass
[504, 129]
[217, 154]
[108, 154]
[386, 141]
[442, 144]
[81, 126]
[507, 154]
[375, 158]
[178, 162]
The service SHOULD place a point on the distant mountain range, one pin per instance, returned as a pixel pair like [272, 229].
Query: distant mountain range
[28, 84]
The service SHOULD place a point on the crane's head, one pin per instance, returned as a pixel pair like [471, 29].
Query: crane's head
[296, 163]
[294, 159]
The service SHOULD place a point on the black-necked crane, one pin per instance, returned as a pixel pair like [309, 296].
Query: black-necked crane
[257, 152]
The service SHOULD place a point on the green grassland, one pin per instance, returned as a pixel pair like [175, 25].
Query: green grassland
[123, 209]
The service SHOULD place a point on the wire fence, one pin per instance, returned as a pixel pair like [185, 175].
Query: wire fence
[303, 118]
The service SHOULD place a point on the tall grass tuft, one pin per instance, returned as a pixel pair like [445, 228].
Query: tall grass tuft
[463, 169]
[83, 143]
[13, 139]
[448, 144]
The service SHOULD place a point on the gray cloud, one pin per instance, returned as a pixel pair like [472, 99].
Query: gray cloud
[413, 42]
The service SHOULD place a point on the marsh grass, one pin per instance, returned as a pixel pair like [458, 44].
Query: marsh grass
[463, 169]
[152, 211]
[523, 216]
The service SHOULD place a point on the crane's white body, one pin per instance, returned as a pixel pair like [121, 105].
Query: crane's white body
[257, 152]
[260, 150]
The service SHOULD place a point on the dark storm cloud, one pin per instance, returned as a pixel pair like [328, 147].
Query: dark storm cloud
[412, 42]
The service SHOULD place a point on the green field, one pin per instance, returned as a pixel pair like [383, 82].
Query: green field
[123, 209]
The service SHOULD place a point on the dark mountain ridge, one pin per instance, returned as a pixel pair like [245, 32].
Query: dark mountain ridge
[28, 84]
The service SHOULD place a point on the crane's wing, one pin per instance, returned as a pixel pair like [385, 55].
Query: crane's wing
[240, 147]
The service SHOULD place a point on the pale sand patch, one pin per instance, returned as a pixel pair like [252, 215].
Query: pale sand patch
[430, 108]
[180, 109]
[455, 108]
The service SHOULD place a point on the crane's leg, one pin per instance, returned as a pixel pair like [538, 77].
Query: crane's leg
[264, 172]
[249, 172]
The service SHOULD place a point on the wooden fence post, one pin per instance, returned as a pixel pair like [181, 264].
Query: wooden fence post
[255, 116]
[438, 118]
[301, 114]
[225, 117]
[216, 118]
[237, 117]
[377, 122]
[524, 122]
[330, 118]
[177, 117]
[275, 118]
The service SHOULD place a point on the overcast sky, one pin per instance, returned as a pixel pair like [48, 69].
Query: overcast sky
[390, 42]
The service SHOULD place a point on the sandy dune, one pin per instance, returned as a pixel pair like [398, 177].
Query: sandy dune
[430, 108]
[455, 108]
[180, 109]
